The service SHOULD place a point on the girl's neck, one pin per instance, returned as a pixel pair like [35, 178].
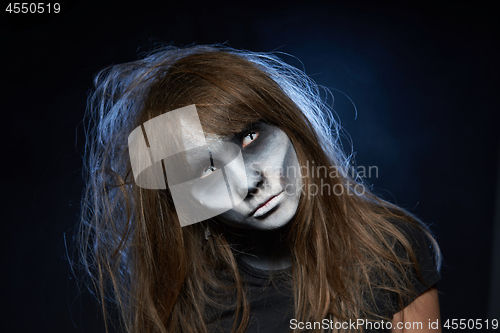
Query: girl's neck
[262, 249]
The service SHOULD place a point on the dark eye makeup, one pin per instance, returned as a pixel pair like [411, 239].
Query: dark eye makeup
[248, 138]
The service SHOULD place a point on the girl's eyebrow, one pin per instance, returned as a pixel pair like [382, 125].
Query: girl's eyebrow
[254, 126]
[250, 127]
[247, 128]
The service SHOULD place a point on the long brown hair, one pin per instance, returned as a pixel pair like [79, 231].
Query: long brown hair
[160, 277]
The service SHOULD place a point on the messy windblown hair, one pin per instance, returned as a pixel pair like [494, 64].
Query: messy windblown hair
[159, 277]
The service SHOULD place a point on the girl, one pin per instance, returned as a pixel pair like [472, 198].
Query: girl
[218, 199]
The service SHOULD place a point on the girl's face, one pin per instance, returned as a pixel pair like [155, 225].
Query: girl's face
[267, 184]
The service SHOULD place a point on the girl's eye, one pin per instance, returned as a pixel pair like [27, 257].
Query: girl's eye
[249, 138]
[207, 171]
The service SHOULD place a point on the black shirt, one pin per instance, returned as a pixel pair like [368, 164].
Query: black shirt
[271, 302]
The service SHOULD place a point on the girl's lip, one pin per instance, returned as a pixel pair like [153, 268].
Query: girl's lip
[268, 205]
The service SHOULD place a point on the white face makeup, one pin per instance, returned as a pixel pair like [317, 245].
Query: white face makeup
[249, 179]
[267, 188]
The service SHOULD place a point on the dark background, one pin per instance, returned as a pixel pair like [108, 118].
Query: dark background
[424, 80]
